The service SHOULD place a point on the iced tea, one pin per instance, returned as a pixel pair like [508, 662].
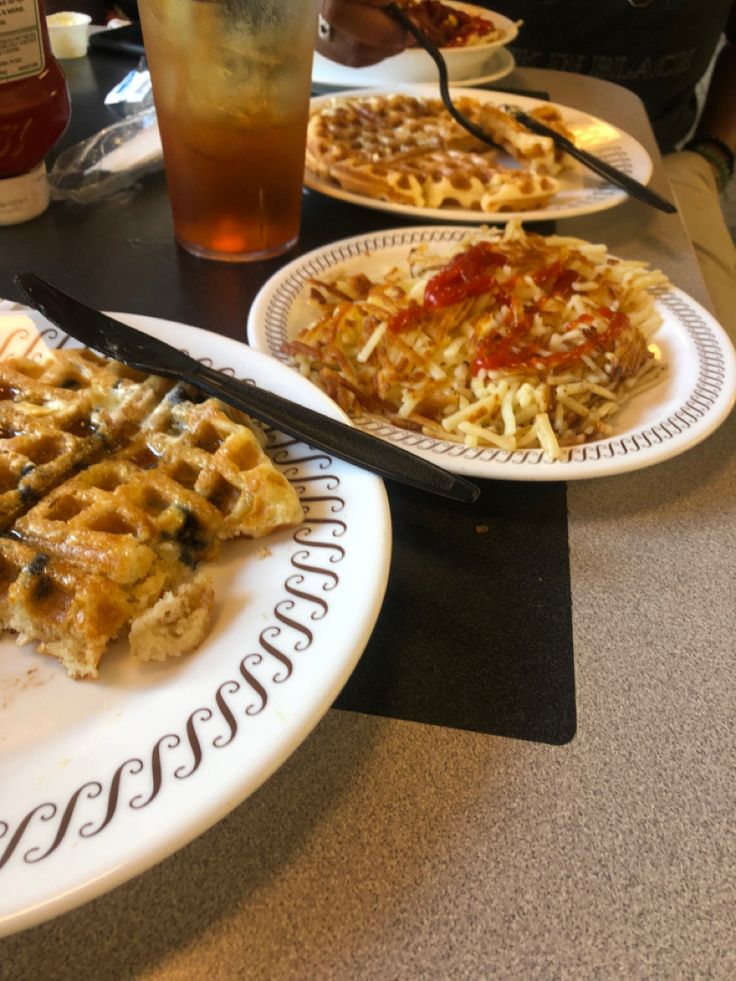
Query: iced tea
[231, 84]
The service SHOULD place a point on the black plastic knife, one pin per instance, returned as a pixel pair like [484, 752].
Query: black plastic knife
[598, 166]
[138, 350]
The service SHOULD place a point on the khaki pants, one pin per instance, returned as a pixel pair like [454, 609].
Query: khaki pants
[694, 187]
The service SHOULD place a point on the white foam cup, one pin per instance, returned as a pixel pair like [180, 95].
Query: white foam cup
[69, 33]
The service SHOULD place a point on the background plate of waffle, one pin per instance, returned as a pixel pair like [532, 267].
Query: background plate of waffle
[580, 190]
[691, 399]
[103, 778]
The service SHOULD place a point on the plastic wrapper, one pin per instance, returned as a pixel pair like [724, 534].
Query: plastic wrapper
[110, 162]
[133, 92]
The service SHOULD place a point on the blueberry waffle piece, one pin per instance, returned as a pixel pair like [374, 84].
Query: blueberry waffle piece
[160, 483]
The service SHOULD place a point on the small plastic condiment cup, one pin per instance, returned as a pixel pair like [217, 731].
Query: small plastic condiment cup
[69, 33]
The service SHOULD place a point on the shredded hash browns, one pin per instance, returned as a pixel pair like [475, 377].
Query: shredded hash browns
[510, 340]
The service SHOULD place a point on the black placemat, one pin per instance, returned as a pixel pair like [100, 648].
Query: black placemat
[492, 582]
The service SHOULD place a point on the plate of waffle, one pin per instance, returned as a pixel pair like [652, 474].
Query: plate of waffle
[182, 595]
[500, 353]
[398, 150]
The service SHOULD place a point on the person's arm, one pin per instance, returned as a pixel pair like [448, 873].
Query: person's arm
[715, 137]
[358, 32]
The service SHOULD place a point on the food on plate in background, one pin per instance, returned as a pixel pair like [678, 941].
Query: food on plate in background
[507, 339]
[450, 27]
[409, 150]
[115, 486]
[359, 45]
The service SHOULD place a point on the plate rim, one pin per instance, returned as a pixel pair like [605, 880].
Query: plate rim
[509, 64]
[611, 199]
[624, 453]
[231, 793]
[503, 55]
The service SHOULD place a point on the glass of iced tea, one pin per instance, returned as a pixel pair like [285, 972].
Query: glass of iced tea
[231, 84]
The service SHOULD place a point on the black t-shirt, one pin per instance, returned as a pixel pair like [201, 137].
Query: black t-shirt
[658, 48]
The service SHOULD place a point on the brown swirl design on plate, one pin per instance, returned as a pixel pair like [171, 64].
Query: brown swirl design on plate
[215, 725]
[703, 397]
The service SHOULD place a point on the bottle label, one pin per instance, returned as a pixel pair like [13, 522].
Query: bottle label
[21, 47]
[24, 197]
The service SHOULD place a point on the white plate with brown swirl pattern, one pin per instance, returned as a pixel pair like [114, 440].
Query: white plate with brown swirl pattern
[102, 779]
[580, 191]
[695, 394]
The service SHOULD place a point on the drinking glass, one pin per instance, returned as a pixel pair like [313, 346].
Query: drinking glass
[231, 83]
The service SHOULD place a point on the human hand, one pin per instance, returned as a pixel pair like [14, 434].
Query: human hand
[360, 32]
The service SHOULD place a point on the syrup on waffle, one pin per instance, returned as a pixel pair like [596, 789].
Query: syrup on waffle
[118, 542]
[409, 150]
[67, 612]
[59, 415]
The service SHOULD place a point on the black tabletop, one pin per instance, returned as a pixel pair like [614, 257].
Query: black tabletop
[488, 582]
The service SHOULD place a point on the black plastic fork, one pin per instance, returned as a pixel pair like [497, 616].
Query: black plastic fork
[436, 55]
[600, 167]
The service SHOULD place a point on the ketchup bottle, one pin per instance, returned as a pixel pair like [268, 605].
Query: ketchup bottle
[34, 109]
